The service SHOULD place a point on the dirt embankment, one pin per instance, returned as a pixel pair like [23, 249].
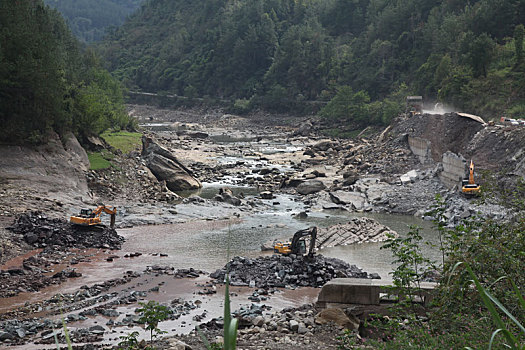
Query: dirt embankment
[498, 148]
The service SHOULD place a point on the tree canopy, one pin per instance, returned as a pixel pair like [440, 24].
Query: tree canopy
[46, 82]
[89, 19]
[276, 53]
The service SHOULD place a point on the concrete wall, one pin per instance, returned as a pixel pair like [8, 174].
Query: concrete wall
[421, 148]
[454, 169]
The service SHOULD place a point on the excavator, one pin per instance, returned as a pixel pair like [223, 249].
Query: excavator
[298, 244]
[88, 217]
[470, 188]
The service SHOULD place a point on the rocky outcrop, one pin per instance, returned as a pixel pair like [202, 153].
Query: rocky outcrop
[337, 316]
[357, 230]
[44, 176]
[165, 166]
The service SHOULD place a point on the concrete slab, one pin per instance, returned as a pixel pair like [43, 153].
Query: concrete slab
[361, 291]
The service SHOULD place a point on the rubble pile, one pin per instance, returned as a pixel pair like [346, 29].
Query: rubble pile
[282, 271]
[291, 327]
[41, 231]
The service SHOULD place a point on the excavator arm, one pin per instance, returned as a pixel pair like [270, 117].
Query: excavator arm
[470, 188]
[298, 238]
[297, 245]
[471, 173]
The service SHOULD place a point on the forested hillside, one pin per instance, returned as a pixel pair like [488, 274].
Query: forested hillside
[275, 53]
[89, 19]
[47, 83]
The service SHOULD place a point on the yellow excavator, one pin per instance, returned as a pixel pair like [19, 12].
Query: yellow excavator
[88, 217]
[297, 245]
[470, 188]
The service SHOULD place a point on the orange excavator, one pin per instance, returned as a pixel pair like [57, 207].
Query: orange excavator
[470, 188]
[88, 217]
[298, 243]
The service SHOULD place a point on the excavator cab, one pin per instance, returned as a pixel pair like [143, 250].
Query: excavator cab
[298, 245]
[86, 213]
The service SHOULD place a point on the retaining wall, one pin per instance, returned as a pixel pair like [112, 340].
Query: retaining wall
[421, 148]
[454, 169]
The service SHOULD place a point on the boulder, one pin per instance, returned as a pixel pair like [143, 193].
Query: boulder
[226, 195]
[267, 195]
[409, 177]
[338, 317]
[165, 166]
[350, 177]
[355, 199]
[310, 186]
[304, 129]
[323, 145]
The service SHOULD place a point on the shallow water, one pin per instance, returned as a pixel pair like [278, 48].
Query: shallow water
[204, 244]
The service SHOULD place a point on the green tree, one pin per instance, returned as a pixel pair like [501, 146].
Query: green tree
[519, 34]
[479, 50]
[347, 106]
[151, 314]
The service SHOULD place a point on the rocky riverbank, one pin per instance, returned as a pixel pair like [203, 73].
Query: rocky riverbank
[246, 166]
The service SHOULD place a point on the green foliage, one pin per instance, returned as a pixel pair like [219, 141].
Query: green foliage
[241, 106]
[151, 313]
[99, 160]
[47, 83]
[284, 54]
[411, 266]
[519, 35]
[129, 342]
[398, 334]
[124, 141]
[347, 106]
[491, 303]
[89, 19]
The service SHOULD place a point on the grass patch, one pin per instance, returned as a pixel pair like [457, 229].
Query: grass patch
[123, 140]
[98, 161]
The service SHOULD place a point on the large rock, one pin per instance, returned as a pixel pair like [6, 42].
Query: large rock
[165, 166]
[338, 317]
[355, 199]
[310, 186]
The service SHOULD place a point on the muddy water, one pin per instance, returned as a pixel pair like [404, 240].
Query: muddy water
[204, 244]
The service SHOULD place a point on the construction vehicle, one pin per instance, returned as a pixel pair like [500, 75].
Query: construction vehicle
[88, 217]
[298, 243]
[470, 188]
[414, 105]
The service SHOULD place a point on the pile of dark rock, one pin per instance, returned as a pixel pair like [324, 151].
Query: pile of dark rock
[281, 271]
[41, 231]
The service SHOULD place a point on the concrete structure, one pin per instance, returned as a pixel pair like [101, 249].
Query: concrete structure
[454, 169]
[421, 148]
[343, 292]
